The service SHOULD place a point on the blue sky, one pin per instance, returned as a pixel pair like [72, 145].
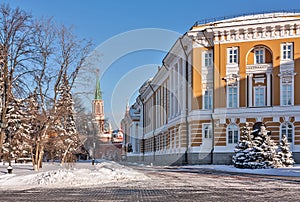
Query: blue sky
[102, 21]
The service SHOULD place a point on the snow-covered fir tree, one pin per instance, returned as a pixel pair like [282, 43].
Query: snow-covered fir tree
[255, 150]
[34, 119]
[68, 139]
[284, 153]
[241, 157]
[18, 141]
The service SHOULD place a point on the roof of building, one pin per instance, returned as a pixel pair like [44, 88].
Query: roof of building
[247, 19]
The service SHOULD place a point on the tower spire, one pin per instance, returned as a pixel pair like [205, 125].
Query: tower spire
[98, 94]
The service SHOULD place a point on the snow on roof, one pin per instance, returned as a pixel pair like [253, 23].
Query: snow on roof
[247, 19]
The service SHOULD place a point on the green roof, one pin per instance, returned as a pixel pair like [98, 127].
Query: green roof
[98, 94]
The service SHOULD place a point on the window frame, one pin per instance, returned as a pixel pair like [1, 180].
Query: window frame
[208, 57]
[284, 99]
[284, 52]
[255, 95]
[285, 124]
[207, 99]
[261, 56]
[236, 104]
[233, 58]
[235, 137]
[207, 127]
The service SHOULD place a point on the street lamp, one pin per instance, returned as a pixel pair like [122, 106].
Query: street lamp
[94, 145]
[91, 124]
[4, 128]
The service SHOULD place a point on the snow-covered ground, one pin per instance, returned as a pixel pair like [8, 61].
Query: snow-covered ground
[84, 174]
[53, 175]
[292, 171]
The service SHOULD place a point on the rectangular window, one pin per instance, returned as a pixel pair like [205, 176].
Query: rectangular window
[207, 99]
[236, 137]
[230, 137]
[232, 96]
[208, 59]
[207, 130]
[259, 54]
[259, 96]
[287, 51]
[286, 94]
[233, 136]
[232, 55]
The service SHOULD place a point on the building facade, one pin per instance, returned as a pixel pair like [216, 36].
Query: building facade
[216, 77]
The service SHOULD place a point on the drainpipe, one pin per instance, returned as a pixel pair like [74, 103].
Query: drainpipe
[143, 139]
[154, 142]
[143, 125]
[186, 160]
[213, 100]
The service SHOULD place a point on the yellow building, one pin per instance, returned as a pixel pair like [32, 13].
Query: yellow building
[216, 77]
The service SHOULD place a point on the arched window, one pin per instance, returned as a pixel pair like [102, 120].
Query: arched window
[232, 134]
[287, 129]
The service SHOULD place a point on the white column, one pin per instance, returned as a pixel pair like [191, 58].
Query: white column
[171, 92]
[268, 89]
[250, 90]
[179, 83]
[184, 83]
[174, 92]
[189, 83]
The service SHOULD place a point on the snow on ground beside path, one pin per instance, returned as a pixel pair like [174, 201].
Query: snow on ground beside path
[81, 174]
[292, 171]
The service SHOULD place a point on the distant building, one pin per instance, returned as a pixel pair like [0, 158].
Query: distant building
[99, 117]
[216, 77]
[105, 145]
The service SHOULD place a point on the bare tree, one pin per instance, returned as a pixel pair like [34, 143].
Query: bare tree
[68, 58]
[15, 40]
[34, 54]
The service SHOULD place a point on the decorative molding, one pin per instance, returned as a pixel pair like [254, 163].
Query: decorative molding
[259, 80]
[256, 31]
[259, 68]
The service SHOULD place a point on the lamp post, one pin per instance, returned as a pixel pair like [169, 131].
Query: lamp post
[92, 125]
[4, 128]
[94, 144]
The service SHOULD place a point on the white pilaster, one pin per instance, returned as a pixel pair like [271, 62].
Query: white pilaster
[250, 90]
[171, 93]
[268, 89]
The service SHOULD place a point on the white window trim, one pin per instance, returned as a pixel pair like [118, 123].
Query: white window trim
[203, 131]
[293, 92]
[227, 137]
[292, 51]
[203, 58]
[281, 95]
[293, 133]
[264, 55]
[203, 98]
[237, 94]
[255, 87]
[228, 55]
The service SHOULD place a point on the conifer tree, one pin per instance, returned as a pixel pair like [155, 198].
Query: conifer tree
[34, 119]
[284, 153]
[17, 141]
[68, 139]
[241, 157]
[257, 150]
